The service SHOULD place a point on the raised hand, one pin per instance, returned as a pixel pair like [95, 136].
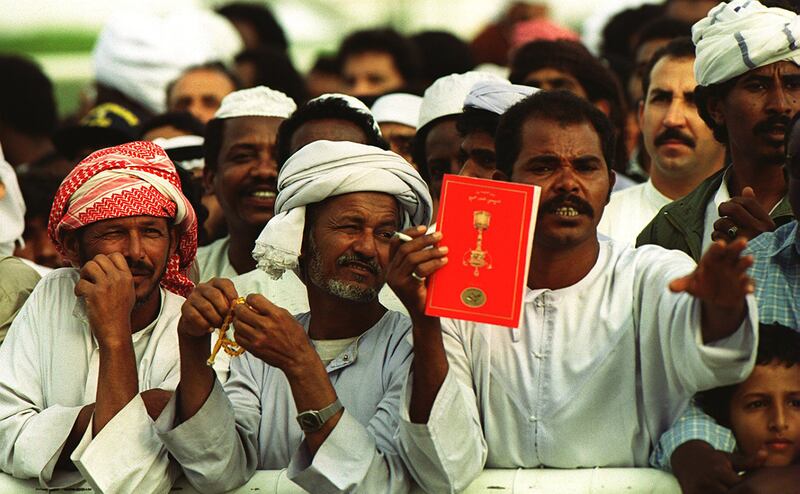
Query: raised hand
[701, 469]
[206, 307]
[720, 277]
[106, 284]
[411, 262]
[742, 216]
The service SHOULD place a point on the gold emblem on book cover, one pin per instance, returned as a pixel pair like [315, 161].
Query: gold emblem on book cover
[477, 257]
[473, 297]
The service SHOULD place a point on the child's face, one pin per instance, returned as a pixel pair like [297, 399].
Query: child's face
[765, 413]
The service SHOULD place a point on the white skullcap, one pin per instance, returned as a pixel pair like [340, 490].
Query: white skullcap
[139, 53]
[446, 95]
[259, 101]
[740, 36]
[12, 209]
[402, 108]
[497, 97]
[324, 169]
[354, 103]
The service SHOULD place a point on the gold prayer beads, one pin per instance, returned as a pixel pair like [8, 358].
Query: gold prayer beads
[227, 344]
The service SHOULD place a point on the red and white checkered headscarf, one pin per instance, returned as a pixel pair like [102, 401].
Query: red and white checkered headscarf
[134, 179]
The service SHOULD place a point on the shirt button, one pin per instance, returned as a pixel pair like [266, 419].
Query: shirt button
[532, 418]
[346, 357]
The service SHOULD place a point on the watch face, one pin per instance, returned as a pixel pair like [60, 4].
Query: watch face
[308, 421]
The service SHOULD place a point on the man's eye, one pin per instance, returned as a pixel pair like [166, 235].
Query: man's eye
[755, 404]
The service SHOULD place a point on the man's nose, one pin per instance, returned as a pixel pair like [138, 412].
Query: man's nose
[134, 248]
[676, 115]
[566, 179]
[365, 244]
[777, 419]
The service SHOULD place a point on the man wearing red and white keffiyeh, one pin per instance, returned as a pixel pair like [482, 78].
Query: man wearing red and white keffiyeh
[92, 357]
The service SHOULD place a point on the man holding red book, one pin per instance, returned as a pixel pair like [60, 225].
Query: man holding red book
[614, 341]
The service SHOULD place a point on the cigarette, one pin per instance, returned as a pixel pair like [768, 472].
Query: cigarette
[403, 237]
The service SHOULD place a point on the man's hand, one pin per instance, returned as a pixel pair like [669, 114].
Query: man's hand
[206, 307]
[721, 282]
[106, 284]
[742, 216]
[418, 257]
[155, 400]
[273, 335]
[769, 480]
[720, 277]
[701, 469]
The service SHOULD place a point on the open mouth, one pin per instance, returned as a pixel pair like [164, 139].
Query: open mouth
[263, 194]
[360, 267]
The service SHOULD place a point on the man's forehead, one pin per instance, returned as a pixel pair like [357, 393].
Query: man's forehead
[361, 204]
[782, 67]
[540, 131]
[670, 72]
[250, 127]
[128, 221]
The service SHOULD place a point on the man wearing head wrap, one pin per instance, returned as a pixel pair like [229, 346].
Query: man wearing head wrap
[241, 169]
[338, 369]
[483, 106]
[397, 115]
[748, 91]
[437, 143]
[93, 353]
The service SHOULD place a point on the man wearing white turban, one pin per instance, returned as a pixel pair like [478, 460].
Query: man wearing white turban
[748, 90]
[483, 106]
[338, 369]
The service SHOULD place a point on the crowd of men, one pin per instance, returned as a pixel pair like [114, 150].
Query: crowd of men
[206, 184]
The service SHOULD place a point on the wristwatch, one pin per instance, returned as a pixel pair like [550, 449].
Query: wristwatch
[313, 420]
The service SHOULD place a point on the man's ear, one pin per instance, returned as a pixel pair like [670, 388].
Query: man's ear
[640, 113]
[173, 240]
[612, 179]
[208, 180]
[71, 245]
[714, 107]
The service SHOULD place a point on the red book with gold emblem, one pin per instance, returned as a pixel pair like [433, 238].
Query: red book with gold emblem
[488, 227]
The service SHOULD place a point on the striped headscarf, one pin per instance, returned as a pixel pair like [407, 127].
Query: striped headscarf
[133, 179]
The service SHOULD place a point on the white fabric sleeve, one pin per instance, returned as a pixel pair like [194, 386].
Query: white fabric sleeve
[126, 455]
[672, 336]
[449, 452]
[355, 458]
[217, 448]
[32, 435]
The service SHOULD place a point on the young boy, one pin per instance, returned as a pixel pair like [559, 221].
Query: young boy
[763, 412]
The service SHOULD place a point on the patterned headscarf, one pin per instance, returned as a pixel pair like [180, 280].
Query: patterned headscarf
[134, 179]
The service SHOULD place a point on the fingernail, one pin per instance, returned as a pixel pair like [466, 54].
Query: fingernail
[444, 249]
[437, 235]
[421, 228]
[444, 260]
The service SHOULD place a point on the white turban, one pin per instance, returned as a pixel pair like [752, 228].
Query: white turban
[446, 95]
[139, 53]
[259, 101]
[12, 209]
[497, 97]
[740, 36]
[402, 108]
[323, 169]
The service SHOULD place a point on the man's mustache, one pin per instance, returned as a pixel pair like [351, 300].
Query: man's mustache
[770, 123]
[369, 263]
[567, 200]
[673, 134]
[140, 268]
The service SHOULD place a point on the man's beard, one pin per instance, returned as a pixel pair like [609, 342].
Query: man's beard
[338, 288]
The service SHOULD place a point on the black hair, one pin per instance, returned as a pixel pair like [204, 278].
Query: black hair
[270, 32]
[678, 48]
[274, 69]
[702, 97]
[477, 120]
[210, 66]
[661, 28]
[441, 53]
[327, 64]
[27, 104]
[38, 191]
[418, 151]
[598, 81]
[383, 40]
[559, 106]
[212, 142]
[620, 33]
[327, 108]
[777, 344]
[181, 120]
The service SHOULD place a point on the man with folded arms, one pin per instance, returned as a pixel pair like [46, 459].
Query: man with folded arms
[93, 354]
[318, 394]
[613, 342]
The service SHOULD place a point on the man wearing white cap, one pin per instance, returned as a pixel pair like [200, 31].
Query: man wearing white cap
[397, 115]
[437, 143]
[483, 106]
[338, 369]
[748, 90]
[241, 169]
